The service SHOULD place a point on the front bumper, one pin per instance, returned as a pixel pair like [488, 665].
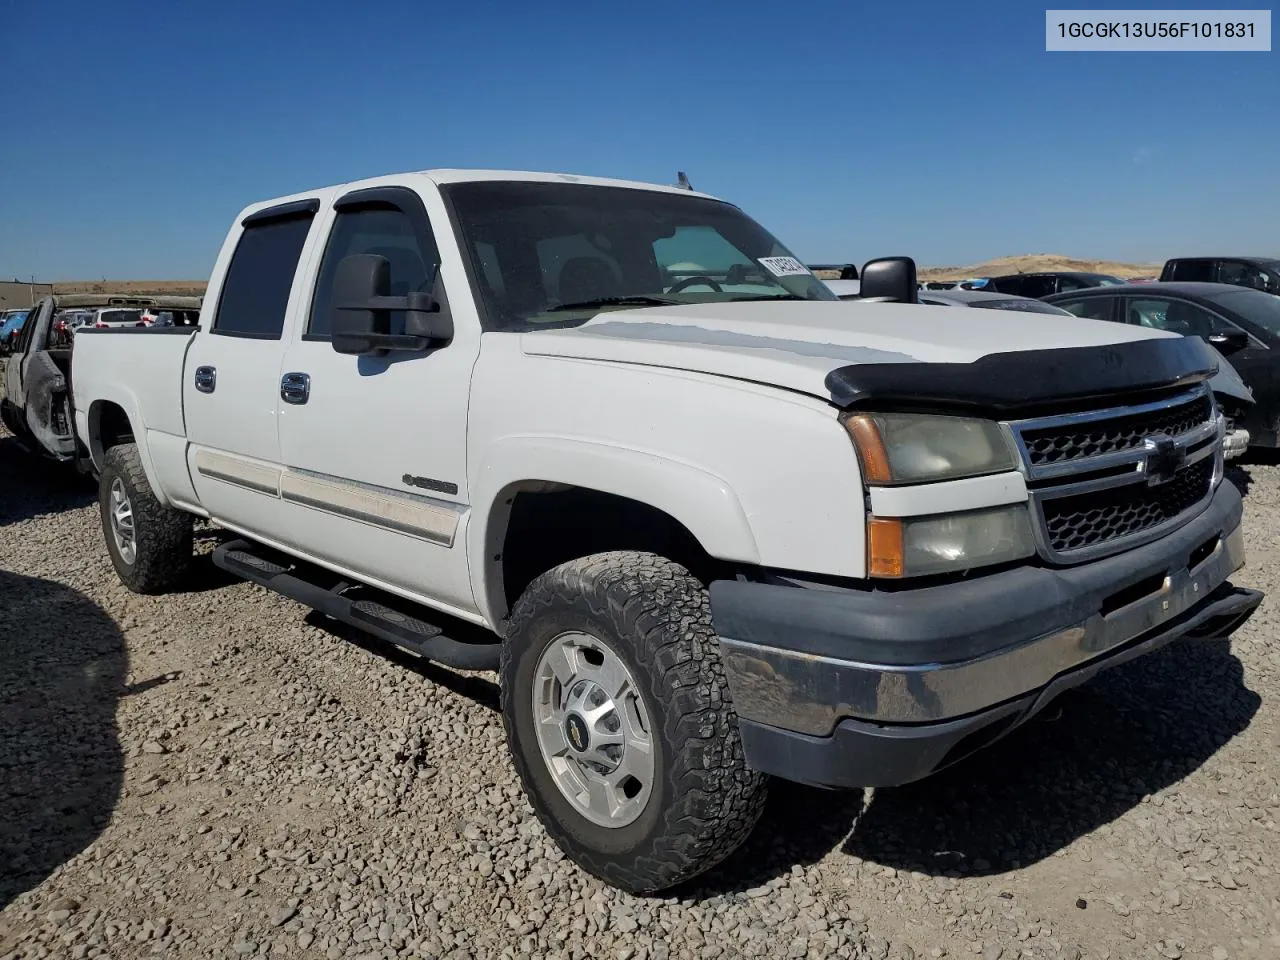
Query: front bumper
[850, 687]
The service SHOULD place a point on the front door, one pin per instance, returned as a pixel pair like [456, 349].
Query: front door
[374, 448]
[232, 372]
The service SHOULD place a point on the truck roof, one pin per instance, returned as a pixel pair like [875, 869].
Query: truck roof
[447, 176]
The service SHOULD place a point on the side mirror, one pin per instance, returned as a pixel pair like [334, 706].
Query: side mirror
[1228, 341]
[360, 322]
[890, 278]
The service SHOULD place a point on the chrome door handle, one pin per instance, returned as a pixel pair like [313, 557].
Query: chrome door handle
[295, 387]
[206, 379]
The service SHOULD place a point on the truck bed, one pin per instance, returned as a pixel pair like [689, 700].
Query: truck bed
[138, 368]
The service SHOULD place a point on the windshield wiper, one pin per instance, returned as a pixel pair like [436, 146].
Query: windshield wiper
[636, 300]
[767, 296]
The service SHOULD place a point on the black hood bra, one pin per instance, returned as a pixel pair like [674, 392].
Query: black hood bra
[1004, 383]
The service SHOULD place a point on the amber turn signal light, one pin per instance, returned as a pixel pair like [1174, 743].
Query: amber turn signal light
[884, 547]
[870, 445]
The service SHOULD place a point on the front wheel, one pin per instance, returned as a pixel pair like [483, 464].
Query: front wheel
[150, 544]
[618, 719]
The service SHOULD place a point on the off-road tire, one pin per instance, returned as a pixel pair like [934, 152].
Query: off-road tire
[657, 618]
[163, 535]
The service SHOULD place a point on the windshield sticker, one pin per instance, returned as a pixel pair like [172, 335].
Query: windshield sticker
[785, 266]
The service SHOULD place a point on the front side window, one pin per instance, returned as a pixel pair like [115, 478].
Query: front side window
[383, 231]
[1176, 316]
[559, 253]
[1242, 275]
[255, 292]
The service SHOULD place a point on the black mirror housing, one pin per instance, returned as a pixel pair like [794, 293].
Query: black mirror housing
[890, 278]
[360, 323]
[1227, 342]
[358, 280]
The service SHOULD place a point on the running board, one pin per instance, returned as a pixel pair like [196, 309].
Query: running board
[245, 560]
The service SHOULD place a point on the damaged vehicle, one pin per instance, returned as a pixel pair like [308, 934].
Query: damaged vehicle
[37, 404]
[706, 521]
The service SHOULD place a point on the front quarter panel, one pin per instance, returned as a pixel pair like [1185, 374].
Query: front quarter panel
[759, 475]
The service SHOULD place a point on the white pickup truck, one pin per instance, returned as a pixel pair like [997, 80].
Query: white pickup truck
[713, 523]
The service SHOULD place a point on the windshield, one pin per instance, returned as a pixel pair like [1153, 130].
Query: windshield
[558, 253]
[1026, 306]
[1255, 306]
[1105, 281]
[120, 316]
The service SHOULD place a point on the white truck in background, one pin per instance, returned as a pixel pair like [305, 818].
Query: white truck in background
[708, 522]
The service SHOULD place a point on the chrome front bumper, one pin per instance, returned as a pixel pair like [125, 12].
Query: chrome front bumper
[811, 694]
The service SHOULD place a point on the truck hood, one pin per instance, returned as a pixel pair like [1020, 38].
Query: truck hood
[795, 344]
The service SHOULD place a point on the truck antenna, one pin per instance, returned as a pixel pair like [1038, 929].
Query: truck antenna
[682, 181]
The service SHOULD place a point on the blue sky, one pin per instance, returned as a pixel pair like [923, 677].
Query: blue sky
[939, 130]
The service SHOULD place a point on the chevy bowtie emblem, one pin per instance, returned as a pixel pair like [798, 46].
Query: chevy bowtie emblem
[1164, 458]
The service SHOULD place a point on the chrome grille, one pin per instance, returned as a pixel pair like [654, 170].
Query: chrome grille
[1107, 480]
[1059, 444]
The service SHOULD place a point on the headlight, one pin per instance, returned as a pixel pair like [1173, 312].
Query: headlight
[917, 448]
[917, 546]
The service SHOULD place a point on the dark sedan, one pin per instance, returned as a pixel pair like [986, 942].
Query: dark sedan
[1243, 323]
[1047, 283]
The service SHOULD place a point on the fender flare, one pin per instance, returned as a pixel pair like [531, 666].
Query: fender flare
[704, 503]
[129, 404]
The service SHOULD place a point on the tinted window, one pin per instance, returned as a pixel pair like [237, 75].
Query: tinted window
[1177, 316]
[1091, 308]
[255, 292]
[1037, 287]
[1193, 270]
[387, 233]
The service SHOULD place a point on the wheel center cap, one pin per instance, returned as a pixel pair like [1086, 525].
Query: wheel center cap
[576, 732]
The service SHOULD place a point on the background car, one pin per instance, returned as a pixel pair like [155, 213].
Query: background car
[1241, 322]
[116, 317]
[986, 299]
[1048, 283]
[1233, 396]
[1261, 273]
[11, 322]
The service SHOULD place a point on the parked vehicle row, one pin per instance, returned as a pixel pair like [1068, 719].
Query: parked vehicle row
[712, 524]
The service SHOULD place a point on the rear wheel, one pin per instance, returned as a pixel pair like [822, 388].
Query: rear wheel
[150, 544]
[619, 722]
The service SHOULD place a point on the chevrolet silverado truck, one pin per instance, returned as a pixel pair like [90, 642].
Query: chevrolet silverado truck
[708, 522]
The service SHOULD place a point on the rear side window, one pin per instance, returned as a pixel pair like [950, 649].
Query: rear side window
[255, 292]
[1198, 271]
[1091, 308]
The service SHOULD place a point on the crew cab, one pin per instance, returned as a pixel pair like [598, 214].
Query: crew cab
[37, 402]
[708, 522]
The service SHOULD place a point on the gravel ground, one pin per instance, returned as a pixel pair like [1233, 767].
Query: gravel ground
[218, 773]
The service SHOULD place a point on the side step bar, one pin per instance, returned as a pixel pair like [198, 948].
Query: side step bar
[244, 559]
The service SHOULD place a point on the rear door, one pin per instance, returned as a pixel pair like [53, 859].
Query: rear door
[34, 328]
[374, 448]
[232, 371]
